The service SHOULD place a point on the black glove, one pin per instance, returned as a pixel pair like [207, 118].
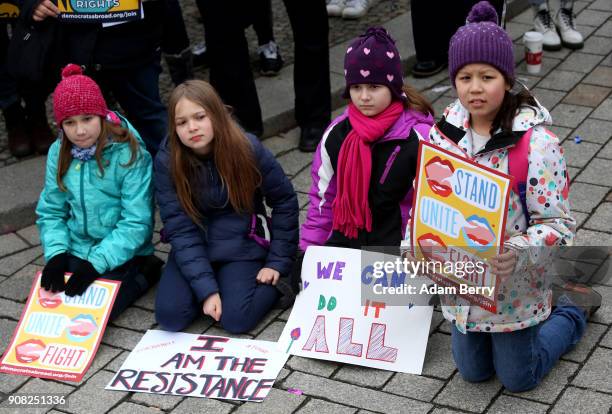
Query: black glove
[53, 273]
[83, 276]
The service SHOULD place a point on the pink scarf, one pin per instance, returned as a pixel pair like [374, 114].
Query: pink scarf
[351, 208]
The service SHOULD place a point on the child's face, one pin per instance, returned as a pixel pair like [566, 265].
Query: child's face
[370, 99]
[193, 126]
[481, 89]
[82, 130]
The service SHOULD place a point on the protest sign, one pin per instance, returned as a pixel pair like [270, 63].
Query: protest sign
[57, 335]
[200, 366]
[458, 218]
[99, 11]
[329, 320]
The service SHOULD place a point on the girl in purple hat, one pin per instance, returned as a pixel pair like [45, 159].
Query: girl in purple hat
[506, 131]
[363, 169]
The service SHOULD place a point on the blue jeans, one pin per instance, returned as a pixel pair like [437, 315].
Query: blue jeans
[244, 301]
[521, 359]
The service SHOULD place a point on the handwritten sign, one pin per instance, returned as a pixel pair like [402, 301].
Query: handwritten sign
[459, 216]
[200, 366]
[329, 321]
[57, 335]
[99, 11]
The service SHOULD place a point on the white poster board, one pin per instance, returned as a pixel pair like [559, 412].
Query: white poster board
[328, 320]
[200, 366]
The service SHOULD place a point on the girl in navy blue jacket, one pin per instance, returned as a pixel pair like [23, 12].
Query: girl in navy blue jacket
[211, 180]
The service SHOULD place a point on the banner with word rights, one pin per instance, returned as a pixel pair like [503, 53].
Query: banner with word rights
[99, 11]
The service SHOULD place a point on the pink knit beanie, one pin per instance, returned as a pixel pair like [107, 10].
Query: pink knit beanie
[77, 94]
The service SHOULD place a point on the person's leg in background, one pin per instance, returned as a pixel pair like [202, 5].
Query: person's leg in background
[175, 44]
[228, 53]
[270, 60]
[244, 301]
[311, 69]
[558, 30]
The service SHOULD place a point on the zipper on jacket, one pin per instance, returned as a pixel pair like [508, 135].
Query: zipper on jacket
[389, 164]
[82, 168]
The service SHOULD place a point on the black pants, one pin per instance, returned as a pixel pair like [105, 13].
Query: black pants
[435, 21]
[230, 70]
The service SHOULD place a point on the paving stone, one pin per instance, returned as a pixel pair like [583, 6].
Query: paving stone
[516, 30]
[446, 411]
[200, 325]
[9, 383]
[285, 315]
[439, 359]
[595, 130]
[600, 76]
[130, 408]
[270, 316]
[592, 17]
[507, 404]
[282, 143]
[104, 355]
[414, 386]
[39, 261]
[604, 111]
[606, 151]
[601, 220]
[580, 62]
[421, 84]
[601, 5]
[573, 173]
[552, 385]
[587, 95]
[284, 373]
[30, 233]
[578, 155]
[367, 377]
[589, 340]
[163, 247]
[592, 238]
[561, 80]
[569, 115]
[272, 332]
[11, 243]
[440, 105]
[579, 217]
[605, 30]
[548, 64]
[6, 332]
[445, 327]
[607, 61]
[302, 181]
[595, 374]
[121, 338]
[597, 45]
[216, 330]
[147, 300]
[18, 286]
[203, 405]
[312, 366]
[607, 340]
[547, 97]
[116, 363]
[10, 309]
[42, 387]
[436, 321]
[163, 402]
[561, 132]
[315, 406]
[589, 401]
[604, 314]
[294, 161]
[456, 393]
[352, 395]
[81, 400]
[135, 319]
[11, 264]
[597, 172]
[277, 401]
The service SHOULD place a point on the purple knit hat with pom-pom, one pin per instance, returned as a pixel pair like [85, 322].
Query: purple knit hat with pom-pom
[481, 40]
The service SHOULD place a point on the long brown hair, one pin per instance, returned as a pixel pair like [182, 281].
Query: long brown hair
[231, 149]
[416, 100]
[117, 134]
[511, 103]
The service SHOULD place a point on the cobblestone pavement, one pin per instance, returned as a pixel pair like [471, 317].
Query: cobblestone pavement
[576, 87]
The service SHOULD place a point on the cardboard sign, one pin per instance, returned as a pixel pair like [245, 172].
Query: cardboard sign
[200, 366]
[57, 335]
[329, 321]
[459, 216]
[99, 11]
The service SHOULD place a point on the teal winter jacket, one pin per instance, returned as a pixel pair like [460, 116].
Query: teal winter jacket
[104, 219]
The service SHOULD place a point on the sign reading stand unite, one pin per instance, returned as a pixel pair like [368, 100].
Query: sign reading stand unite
[459, 217]
[57, 335]
[99, 11]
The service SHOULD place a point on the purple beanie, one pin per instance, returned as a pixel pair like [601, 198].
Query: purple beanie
[373, 58]
[481, 40]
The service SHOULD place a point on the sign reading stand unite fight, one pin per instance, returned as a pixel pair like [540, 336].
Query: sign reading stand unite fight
[329, 321]
[459, 217]
[57, 335]
[99, 11]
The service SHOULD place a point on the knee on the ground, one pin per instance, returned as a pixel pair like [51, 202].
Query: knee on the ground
[172, 319]
[518, 381]
[236, 322]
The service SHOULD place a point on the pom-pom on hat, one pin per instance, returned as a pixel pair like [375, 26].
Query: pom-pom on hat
[373, 58]
[481, 40]
[77, 94]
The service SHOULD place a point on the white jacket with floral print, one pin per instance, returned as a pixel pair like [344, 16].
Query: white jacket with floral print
[524, 300]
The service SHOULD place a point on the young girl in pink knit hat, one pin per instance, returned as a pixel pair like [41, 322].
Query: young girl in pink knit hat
[95, 213]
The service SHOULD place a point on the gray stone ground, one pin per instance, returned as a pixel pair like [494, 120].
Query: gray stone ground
[576, 87]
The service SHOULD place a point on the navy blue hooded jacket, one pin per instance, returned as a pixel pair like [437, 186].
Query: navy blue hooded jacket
[225, 233]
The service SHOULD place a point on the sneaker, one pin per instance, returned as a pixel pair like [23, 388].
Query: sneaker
[335, 8]
[270, 60]
[581, 296]
[355, 9]
[570, 37]
[543, 23]
[427, 68]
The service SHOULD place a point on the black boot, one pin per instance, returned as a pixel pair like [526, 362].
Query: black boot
[180, 66]
[18, 141]
[309, 138]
